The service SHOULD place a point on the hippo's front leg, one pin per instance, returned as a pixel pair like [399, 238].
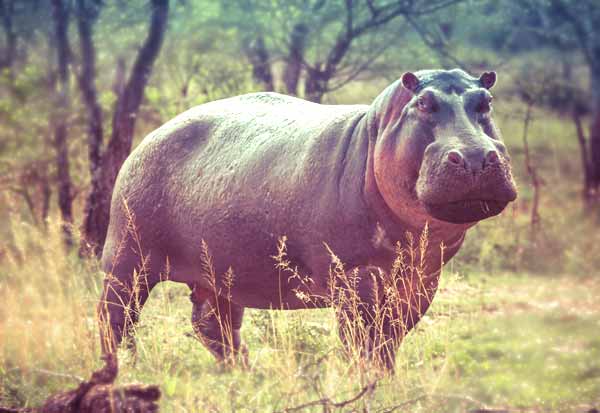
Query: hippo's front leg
[217, 323]
[375, 311]
[119, 308]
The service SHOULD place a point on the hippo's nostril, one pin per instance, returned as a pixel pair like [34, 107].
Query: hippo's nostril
[455, 157]
[491, 158]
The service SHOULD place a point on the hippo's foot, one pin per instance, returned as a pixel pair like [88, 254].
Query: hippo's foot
[118, 313]
[369, 344]
[217, 322]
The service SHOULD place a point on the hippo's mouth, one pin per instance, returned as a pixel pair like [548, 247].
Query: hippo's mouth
[466, 211]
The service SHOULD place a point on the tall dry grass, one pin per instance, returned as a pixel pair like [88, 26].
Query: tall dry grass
[48, 330]
[49, 336]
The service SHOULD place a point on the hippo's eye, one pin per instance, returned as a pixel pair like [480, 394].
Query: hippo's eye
[426, 104]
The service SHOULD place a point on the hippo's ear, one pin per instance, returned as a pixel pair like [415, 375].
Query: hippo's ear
[487, 79]
[410, 81]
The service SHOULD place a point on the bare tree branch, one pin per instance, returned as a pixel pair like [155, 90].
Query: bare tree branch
[328, 403]
[438, 46]
[578, 28]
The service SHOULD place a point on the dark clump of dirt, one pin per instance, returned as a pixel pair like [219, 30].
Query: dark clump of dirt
[99, 395]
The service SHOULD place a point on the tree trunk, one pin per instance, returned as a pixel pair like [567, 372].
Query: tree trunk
[316, 85]
[317, 82]
[87, 77]
[595, 131]
[46, 191]
[6, 12]
[61, 25]
[258, 55]
[536, 183]
[293, 68]
[583, 151]
[98, 203]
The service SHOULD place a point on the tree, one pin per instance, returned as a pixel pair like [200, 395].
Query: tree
[87, 13]
[256, 51]
[28, 105]
[97, 207]
[7, 11]
[247, 17]
[575, 26]
[323, 44]
[61, 117]
[295, 57]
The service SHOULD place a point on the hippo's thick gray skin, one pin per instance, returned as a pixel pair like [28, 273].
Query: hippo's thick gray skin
[242, 172]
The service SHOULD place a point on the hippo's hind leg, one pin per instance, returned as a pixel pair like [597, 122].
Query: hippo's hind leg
[126, 289]
[217, 322]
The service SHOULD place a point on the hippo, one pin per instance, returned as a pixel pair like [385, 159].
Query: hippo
[216, 195]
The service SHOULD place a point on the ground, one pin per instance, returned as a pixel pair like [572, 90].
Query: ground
[524, 343]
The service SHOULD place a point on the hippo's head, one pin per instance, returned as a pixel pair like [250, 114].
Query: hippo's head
[438, 152]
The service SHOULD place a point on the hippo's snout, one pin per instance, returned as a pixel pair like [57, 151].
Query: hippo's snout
[465, 184]
[476, 161]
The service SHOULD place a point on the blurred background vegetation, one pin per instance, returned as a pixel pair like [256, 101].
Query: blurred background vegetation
[83, 81]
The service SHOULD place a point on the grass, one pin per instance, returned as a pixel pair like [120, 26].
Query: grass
[527, 343]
